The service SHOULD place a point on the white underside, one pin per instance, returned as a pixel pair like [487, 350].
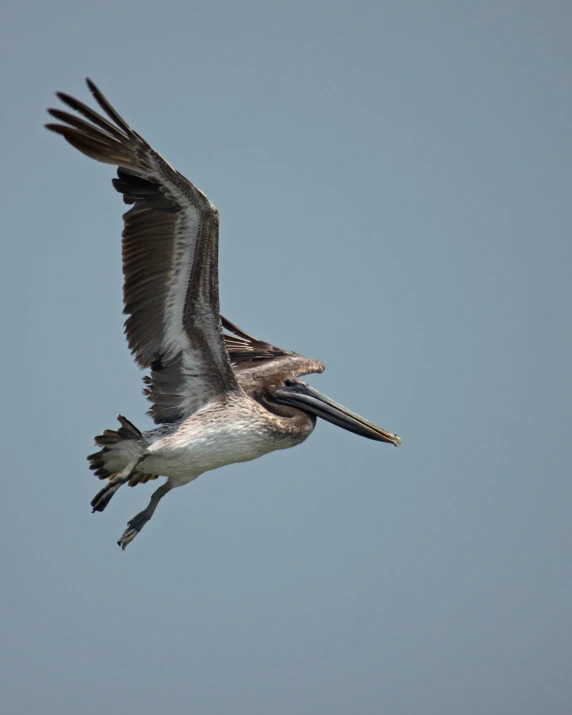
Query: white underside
[213, 437]
[183, 456]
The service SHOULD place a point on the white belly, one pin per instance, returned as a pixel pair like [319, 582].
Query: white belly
[210, 439]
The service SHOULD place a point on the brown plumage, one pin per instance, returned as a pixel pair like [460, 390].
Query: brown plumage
[218, 394]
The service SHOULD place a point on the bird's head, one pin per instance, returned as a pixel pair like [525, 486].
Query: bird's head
[298, 394]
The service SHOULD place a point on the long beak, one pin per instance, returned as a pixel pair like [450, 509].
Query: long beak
[305, 398]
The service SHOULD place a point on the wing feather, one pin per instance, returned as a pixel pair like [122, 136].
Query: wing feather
[255, 359]
[170, 263]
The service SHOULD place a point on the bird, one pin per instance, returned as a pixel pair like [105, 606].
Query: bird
[218, 395]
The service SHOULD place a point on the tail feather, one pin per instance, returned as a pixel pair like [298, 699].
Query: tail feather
[118, 447]
[125, 432]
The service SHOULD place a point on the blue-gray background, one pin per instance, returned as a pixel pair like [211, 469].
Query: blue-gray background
[394, 185]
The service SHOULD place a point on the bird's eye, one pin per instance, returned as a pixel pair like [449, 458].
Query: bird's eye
[288, 383]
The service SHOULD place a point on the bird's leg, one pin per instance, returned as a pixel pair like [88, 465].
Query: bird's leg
[103, 497]
[126, 473]
[135, 525]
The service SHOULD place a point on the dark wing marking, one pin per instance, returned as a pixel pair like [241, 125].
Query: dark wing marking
[254, 359]
[170, 263]
[243, 348]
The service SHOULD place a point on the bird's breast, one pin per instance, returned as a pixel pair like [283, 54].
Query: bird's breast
[215, 437]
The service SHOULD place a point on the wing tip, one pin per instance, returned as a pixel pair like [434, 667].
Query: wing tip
[93, 88]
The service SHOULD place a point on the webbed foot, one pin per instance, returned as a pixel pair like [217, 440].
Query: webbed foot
[134, 526]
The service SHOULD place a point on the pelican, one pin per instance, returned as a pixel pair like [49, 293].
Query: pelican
[218, 395]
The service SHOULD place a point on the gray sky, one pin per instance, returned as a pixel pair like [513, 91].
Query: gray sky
[394, 183]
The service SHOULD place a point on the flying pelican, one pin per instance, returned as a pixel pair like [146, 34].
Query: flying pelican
[217, 397]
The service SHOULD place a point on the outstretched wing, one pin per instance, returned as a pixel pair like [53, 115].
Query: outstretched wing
[170, 263]
[255, 359]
